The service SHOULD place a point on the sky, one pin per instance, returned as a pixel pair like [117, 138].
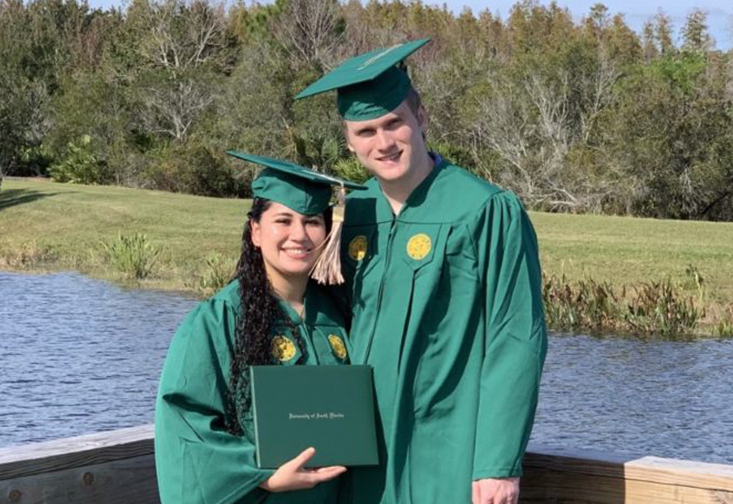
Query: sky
[636, 12]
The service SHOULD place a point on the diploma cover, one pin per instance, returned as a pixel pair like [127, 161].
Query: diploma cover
[330, 408]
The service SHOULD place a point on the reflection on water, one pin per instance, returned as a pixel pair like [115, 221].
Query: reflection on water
[79, 355]
[668, 399]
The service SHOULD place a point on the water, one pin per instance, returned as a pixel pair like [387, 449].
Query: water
[79, 355]
[669, 399]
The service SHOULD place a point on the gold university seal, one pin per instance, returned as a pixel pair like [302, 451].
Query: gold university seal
[283, 349]
[337, 343]
[358, 248]
[418, 246]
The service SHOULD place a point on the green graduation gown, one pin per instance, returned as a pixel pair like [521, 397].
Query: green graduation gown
[197, 460]
[447, 308]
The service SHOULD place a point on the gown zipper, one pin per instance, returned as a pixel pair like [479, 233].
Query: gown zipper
[380, 293]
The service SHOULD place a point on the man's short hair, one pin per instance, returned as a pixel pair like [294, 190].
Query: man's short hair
[413, 101]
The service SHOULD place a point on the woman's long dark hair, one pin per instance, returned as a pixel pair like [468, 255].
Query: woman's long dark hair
[260, 313]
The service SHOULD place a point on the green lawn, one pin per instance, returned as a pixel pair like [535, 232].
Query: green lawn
[625, 250]
[49, 225]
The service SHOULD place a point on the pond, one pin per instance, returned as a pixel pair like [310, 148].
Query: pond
[80, 355]
[662, 398]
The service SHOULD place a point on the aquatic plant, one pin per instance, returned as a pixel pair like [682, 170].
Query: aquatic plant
[24, 256]
[724, 327]
[219, 272]
[698, 282]
[587, 305]
[561, 311]
[651, 309]
[134, 256]
[661, 309]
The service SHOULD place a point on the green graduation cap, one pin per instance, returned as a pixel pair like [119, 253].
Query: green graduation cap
[307, 192]
[369, 85]
[298, 188]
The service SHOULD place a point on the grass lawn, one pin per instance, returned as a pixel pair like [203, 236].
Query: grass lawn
[626, 250]
[45, 225]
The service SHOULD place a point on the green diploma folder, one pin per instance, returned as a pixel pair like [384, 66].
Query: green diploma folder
[330, 408]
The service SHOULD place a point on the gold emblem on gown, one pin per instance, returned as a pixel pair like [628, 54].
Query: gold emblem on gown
[283, 348]
[418, 246]
[337, 343]
[358, 248]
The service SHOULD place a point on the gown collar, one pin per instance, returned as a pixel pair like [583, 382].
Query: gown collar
[308, 312]
[416, 198]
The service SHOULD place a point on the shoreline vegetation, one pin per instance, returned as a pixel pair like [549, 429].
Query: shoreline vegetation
[658, 279]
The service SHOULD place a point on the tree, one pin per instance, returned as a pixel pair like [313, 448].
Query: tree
[663, 34]
[674, 137]
[310, 31]
[574, 116]
[695, 36]
[184, 46]
[648, 41]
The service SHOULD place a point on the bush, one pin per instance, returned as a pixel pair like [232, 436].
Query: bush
[351, 169]
[193, 169]
[219, 272]
[134, 256]
[80, 165]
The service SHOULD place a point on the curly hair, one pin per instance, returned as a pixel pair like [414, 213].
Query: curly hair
[260, 314]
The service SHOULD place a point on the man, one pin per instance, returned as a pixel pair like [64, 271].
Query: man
[446, 297]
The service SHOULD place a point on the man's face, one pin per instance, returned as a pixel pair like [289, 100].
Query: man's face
[389, 146]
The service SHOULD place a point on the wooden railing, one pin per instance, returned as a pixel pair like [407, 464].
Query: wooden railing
[118, 468]
[567, 477]
[108, 468]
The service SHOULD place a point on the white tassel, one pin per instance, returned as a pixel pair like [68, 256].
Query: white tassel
[327, 269]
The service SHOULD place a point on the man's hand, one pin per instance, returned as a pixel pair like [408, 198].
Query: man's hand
[293, 476]
[495, 491]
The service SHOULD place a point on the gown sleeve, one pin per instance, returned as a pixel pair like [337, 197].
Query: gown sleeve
[515, 340]
[197, 460]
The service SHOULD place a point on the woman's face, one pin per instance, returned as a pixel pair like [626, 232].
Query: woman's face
[290, 242]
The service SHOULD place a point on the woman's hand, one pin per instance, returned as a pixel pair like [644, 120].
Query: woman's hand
[293, 476]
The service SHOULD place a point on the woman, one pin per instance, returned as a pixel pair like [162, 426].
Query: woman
[272, 313]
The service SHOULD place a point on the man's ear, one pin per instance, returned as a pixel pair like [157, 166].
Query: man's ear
[422, 119]
[255, 233]
[346, 136]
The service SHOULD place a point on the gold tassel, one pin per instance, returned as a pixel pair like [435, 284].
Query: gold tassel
[327, 269]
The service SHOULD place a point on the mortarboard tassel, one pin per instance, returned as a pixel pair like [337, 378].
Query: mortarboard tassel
[327, 269]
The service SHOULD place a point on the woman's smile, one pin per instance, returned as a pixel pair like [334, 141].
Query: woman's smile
[289, 241]
[298, 252]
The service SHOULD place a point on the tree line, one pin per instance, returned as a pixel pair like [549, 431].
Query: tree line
[574, 116]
